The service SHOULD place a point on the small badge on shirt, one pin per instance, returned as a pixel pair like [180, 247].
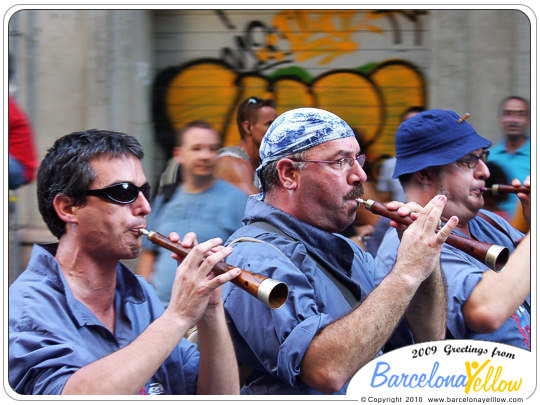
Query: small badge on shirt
[153, 389]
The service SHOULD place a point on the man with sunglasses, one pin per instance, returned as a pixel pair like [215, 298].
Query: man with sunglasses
[439, 153]
[79, 321]
[237, 163]
[335, 319]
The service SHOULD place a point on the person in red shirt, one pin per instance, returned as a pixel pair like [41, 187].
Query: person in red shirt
[22, 151]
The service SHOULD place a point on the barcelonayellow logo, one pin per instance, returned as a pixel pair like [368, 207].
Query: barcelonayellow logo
[455, 367]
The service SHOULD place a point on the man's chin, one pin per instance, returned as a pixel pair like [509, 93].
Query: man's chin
[515, 137]
[134, 251]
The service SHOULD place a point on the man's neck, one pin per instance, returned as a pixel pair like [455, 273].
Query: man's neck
[514, 143]
[92, 280]
[195, 185]
[252, 151]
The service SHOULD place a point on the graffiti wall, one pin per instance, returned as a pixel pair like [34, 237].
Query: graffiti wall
[364, 65]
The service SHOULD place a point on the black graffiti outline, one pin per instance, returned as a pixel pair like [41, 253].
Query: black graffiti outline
[411, 15]
[246, 46]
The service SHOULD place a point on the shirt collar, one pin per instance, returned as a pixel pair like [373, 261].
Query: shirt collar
[43, 262]
[524, 149]
[318, 242]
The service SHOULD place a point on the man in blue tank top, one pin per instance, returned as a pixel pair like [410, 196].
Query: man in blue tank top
[200, 203]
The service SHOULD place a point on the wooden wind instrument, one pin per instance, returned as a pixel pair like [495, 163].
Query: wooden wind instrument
[498, 189]
[271, 292]
[493, 256]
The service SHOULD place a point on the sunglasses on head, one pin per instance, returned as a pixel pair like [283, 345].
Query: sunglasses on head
[122, 193]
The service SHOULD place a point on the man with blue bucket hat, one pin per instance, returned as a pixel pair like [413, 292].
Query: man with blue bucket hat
[335, 319]
[438, 152]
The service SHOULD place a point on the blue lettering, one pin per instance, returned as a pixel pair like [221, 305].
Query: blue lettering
[381, 377]
[463, 382]
[433, 372]
[413, 377]
[421, 380]
[376, 374]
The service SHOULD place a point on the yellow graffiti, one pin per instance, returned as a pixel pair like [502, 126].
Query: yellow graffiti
[370, 104]
[202, 92]
[401, 87]
[322, 33]
[354, 99]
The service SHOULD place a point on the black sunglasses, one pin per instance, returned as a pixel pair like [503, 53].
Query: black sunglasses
[122, 193]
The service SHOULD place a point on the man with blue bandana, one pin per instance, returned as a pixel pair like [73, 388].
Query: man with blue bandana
[335, 319]
[439, 153]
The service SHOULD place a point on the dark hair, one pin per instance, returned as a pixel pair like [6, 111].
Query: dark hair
[247, 110]
[65, 169]
[193, 124]
[523, 100]
[406, 178]
[413, 109]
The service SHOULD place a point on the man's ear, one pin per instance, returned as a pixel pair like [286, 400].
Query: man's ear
[288, 175]
[246, 125]
[177, 154]
[66, 211]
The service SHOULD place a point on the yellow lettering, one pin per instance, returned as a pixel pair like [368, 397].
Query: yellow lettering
[515, 387]
[487, 384]
[502, 386]
[497, 374]
[468, 369]
[488, 376]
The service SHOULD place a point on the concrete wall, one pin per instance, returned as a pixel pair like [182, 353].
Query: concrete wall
[75, 70]
[79, 69]
[478, 57]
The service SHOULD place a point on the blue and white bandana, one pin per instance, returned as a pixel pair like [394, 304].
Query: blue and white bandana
[300, 129]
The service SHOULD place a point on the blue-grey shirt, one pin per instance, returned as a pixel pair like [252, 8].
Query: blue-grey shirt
[274, 341]
[463, 272]
[216, 212]
[52, 334]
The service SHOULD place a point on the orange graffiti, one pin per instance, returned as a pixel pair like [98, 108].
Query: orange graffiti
[322, 33]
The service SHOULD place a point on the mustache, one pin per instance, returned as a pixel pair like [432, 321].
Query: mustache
[357, 191]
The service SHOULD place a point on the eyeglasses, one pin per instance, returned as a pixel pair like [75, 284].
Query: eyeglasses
[344, 163]
[122, 193]
[473, 160]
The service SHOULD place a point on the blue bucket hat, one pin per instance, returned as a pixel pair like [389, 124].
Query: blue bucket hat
[300, 129]
[434, 138]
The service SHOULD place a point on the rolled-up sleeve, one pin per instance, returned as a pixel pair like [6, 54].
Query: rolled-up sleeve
[40, 362]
